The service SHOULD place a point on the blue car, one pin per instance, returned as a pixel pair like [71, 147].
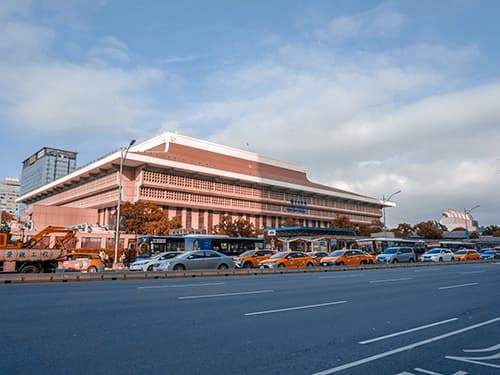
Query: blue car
[490, 255]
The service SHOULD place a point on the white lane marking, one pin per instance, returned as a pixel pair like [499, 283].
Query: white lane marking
[408, 331]
[404, 348]
[228, 294]
[428, 269]
[456, 286]
[389, 280]
[338, 276]
[490, 349]
[423, 371]
[295, 308]
[478, 360]
[472, 272]
[178, 285]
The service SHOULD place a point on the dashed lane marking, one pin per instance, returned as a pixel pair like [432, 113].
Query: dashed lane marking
[408, 331]
[457, 286]
[389, 280]
[405, 348]
[295, 308]
[228, 294]
[178, 285]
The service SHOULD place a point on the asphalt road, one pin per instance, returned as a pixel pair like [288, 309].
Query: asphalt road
[392, 321]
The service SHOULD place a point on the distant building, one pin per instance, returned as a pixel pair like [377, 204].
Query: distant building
[9, 192]
[453, 219]
[45, 166]
[200, 182]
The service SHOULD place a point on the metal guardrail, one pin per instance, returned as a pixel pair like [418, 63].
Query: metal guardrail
[134, 275]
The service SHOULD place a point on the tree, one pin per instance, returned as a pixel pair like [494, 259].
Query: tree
[289, 222]
[367, 229]
[147, 218]
[429, 230]
[237, 228]
[490, 229]
[403, 230]
[6, 217]
[341, 222]
[496, 233]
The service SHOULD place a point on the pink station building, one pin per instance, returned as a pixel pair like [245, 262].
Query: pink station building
[199, 182]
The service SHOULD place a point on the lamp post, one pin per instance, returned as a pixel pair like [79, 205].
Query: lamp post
[387, 200]
[123, 156]
[467, 213]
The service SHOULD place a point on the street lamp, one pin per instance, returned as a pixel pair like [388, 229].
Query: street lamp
[388, 200]
[123, 156]
[467, 212]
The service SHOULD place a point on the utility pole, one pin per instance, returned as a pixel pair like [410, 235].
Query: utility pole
[384, 200]
[123, 156]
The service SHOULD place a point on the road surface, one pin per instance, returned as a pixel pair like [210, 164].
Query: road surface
[432, 320]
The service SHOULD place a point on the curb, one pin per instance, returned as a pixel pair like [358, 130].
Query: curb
[128, 275]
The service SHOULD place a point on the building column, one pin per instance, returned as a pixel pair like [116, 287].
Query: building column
[195, 219]
[172, 212]
[184, 218]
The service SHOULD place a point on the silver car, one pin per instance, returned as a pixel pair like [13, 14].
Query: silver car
[397, 255]
[198, 260]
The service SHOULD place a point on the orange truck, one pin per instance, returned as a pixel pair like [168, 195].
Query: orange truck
[33, 256]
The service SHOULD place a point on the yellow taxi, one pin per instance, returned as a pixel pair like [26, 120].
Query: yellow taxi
[351, 257]
[288, 259]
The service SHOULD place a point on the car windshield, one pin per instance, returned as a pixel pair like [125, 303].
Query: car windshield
[279, 255]
[248, 253]
[461, 252]
[170, 255]
[434, 251]
[337, 253]
[390, 250]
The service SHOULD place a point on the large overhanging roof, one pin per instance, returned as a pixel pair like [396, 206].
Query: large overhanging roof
[134, 159]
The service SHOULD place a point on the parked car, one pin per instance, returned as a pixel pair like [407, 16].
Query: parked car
[198, 260]
[397, 255]
[438, 255]
[81, 262]
[288, 259]
[351, 257]
[317, 256]
[490, 254]
[148, 264]
[466, 254]
[252, 258]
[485, 249]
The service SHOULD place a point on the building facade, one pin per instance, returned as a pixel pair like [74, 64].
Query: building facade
[9, 193]
[44, 166]
[200, 181]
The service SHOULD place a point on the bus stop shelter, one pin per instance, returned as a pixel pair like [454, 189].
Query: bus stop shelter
[312, 238]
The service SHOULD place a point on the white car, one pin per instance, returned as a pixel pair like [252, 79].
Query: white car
[438, 255]
[149, 264]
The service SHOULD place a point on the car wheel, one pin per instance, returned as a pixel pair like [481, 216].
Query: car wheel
[412, 260]
[92, 269]
[281, 265]
[247, 265]
[362, 262]
[440, 259]
[222, 266]
[452, 259]
[179, 267]
[310, 265]
[150, 268]
[394, 261]
[340, 264]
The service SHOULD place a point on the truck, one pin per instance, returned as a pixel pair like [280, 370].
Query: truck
[33, 255]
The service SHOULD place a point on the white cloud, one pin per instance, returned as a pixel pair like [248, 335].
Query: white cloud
[375, 23]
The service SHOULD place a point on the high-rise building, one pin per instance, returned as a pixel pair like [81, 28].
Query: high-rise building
[9, 192]
[45, 166]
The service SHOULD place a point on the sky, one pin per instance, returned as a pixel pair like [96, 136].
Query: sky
[371, 96]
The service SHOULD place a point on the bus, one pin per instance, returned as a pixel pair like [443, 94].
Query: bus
[378, 244]
[232, 246]
[457, 245]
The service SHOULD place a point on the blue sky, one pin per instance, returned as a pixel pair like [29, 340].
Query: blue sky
[372, 96]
